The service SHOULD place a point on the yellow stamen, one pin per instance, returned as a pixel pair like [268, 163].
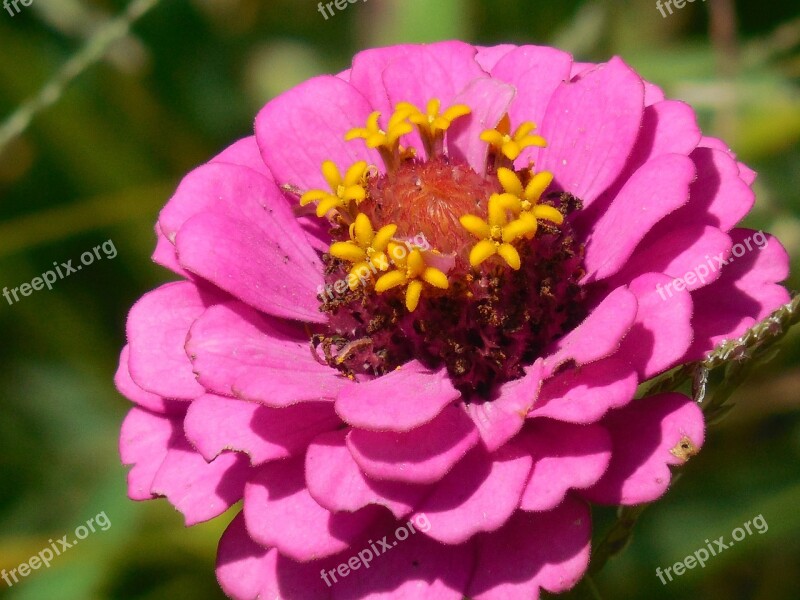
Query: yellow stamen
[511, 145]
[433, 123]
[390, 280]
[522, 201]
[413, 293]
[496, 235]
[364, 248]
[348, 251]
[344, 190]
[411, 271]
[548, 213]
[386, 142]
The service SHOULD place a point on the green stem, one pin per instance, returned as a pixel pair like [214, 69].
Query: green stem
[592, 587]
[617, 538]
[739, 357]
[94, 50]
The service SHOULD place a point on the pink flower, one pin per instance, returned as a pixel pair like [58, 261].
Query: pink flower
[438, 323]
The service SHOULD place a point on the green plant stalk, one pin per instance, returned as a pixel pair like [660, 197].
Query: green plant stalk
[93, 51]
[739, 357]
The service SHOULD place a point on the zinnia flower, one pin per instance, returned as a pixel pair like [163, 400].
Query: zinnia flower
[421, 298]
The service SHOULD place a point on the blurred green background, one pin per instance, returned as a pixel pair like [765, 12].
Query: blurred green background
[100, 162]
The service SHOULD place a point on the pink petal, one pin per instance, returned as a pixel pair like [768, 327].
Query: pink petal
[501, 418]
[165, 255]
[720, 197]
[488, 56]
[305, 126]
[237, 351]
[245, 153]
[489, 100]
[413, 567]
[716, 144]
[260, 254]
[336, 482]
[599, 335]
[579, 69]
[199, 191]
[438, 71]
[536, 72]
[404, 399]
[416, 565]
[214, 424]
[280, 512]
[421, 455]
[446, 66]
[534, 551]
[129, 389]
[564, 457]
[677, 251]
[746, 292]
[317, 232]
[241, 563]
[188, 200]
[157, 327]
[655, 190]
[479, 494]
[248, 571]
[198, 489]
[662, 332]
[591, 127]
[366, 74]
[143, 443]
[668, 127]
[644, 435]
[747, 174]
[652, 94]
[586, 393]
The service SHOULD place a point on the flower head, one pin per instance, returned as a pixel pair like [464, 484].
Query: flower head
[452, 346]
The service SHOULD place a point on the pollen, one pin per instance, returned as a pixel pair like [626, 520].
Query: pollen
[510, 145]
[344, 190]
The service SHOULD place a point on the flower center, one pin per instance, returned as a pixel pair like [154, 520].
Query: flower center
[435, 262]
[429, 198]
